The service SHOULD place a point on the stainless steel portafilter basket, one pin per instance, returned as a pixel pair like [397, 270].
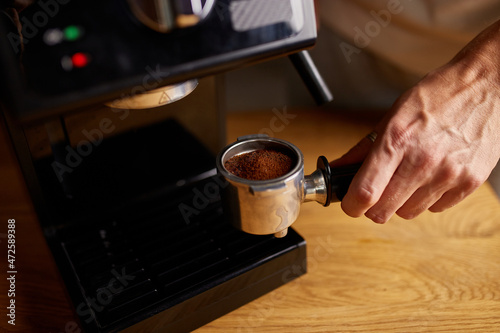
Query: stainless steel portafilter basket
[265, 207]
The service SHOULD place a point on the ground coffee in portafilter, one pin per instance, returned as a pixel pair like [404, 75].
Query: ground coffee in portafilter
[261, 164]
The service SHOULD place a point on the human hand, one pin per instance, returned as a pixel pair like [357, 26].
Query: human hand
[439, 142]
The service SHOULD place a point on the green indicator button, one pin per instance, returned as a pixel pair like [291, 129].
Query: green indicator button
[72, 32]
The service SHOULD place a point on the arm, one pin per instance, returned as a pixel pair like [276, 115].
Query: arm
[438, 143]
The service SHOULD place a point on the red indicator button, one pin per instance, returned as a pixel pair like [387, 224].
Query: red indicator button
[80, 59]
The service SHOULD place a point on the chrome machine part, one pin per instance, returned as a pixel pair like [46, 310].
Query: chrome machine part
[165, 15]
[315, 188]
[262, 207]
[154, 98]
[271, 206]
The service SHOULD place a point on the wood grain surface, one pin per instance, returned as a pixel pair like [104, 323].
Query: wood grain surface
[436, 273]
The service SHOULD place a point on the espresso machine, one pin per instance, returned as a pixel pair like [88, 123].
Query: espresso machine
[114, 110]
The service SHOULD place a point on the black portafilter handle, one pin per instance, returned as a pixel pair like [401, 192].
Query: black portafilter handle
[337, 179]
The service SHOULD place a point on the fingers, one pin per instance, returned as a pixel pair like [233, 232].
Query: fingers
[455, 195]
[398, 191]
[400, 177]
[370, 182]
[419, 202]
[426, 196]
[355, 154]
[418, 184]
[434, 200]
[396, 177]
[404, 188]
[362, 194]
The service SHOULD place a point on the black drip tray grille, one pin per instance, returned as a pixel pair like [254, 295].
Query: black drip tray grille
[151, 258]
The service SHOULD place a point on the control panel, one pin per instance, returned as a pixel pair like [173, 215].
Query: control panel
[73, 54]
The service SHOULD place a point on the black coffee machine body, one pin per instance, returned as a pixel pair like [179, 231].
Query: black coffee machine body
[114, 110]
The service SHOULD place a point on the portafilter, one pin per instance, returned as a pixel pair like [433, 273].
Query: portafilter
[263, 207]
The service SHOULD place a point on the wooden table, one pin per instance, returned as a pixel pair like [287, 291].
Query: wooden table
[436, 273]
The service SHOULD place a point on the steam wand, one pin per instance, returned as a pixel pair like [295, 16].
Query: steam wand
[311, 77]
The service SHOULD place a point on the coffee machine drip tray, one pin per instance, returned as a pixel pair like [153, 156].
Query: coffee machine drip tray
[165, 260]
[151, 269]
